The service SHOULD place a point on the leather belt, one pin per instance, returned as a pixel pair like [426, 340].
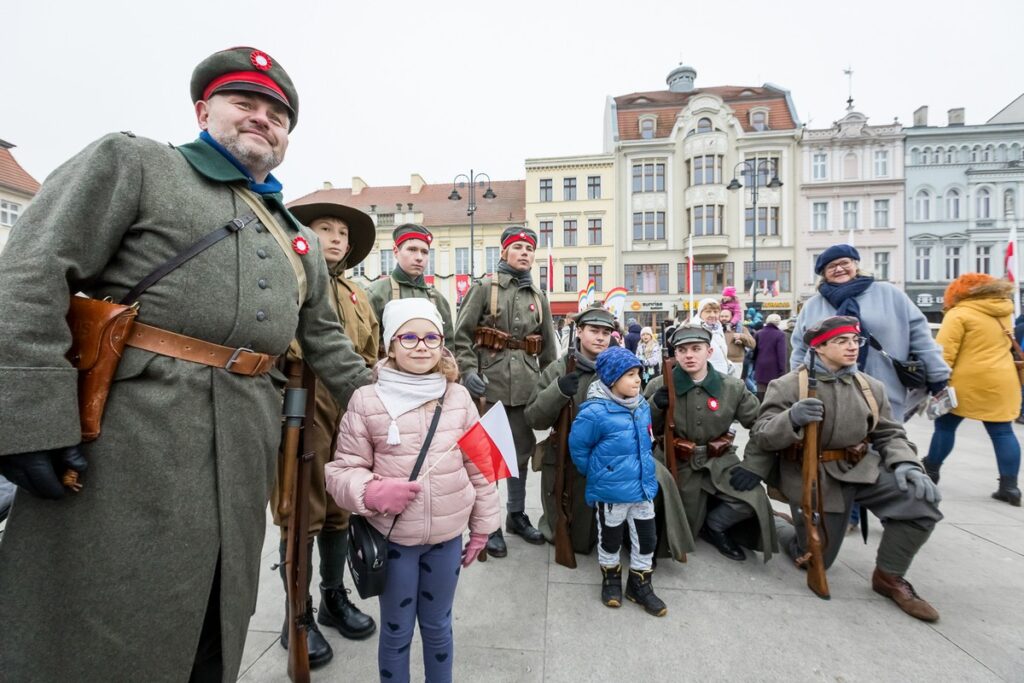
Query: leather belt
[852, 455]
[835, 454]
[240, 361]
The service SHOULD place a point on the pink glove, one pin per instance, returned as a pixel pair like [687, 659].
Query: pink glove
[390, 496]
[473, 548]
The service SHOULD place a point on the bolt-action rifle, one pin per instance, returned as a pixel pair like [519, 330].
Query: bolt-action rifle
[811, 504]
[565, 471]
[667, 364]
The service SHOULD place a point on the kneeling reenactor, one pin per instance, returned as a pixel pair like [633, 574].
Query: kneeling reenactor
[866, 458]
[703, 404]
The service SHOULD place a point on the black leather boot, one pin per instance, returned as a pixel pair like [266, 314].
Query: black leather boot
[611, 586]
[931, 469]
[1008, 491]
[496, 545]
[724, 543]
[319, 649]
[519, 524]
[337, 610]
[640, 590]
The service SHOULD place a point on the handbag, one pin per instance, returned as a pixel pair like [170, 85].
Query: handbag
[1015, 353]
[368, 547]
[910, 372]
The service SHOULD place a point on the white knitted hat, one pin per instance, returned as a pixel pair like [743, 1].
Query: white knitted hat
[398, 312]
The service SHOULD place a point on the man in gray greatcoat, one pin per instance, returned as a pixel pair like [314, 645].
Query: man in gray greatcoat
[150, 572]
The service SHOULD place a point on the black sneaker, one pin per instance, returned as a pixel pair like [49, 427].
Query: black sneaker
[611, 586]
[640, 590]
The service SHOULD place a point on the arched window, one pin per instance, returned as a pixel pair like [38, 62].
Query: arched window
[937, 156]
[984, 204]
[987, 154]
[704, 125]
[950, 155]
[975, 154]
[759, 119]
[953, 205]
[647, 127]
[926, 155]
[922, 206]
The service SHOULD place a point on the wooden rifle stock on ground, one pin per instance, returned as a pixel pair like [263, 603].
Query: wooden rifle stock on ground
[299, 405]
[565, 473]
[811, 507]
[669, 436]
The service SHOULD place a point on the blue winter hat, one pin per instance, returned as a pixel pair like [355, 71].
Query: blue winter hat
[614, 362]
[836, 251]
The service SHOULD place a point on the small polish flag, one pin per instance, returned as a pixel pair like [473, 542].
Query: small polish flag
[489, 445]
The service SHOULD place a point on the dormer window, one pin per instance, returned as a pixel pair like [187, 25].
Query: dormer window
[704, 125]
[648, 125]
[759, 119]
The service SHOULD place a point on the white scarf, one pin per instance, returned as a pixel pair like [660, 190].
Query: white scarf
[401, 392]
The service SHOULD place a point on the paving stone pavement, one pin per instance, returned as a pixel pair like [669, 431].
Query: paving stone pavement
[524, 618]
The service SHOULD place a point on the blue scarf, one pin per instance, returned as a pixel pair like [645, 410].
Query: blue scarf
[843, 298]
[271, 186]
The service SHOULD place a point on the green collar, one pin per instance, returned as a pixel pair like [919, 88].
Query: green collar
[402, 278]
[211, 164]
[711, 384]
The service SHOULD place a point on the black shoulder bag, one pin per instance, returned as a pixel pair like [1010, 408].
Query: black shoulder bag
[367, 547]
[910, 372]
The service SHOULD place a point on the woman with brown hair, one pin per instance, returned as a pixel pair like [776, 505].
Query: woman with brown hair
[975, 343]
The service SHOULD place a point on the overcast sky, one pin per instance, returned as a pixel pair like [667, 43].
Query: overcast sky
[392, 88]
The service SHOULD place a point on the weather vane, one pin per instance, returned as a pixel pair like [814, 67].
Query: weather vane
[849, 83]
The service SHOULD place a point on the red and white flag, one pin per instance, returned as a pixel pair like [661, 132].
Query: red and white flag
[489, 445]
[775, 288]
[1010, 260]
[551, 271]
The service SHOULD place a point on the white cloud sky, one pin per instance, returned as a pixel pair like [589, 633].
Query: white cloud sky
[392, 88]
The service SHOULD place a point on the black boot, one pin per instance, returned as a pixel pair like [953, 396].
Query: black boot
[336, 609]
[931, 469]
[724, 543]
[519, 524]
[319, 649]
[496, 545]
[1008, 491]
[640, 590]
[611, 586]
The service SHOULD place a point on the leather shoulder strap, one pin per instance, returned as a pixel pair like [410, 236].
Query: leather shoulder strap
[396, 293]
[1014, 346]
[427, 439]
[869, 397]
[280, 236]
[492, 308]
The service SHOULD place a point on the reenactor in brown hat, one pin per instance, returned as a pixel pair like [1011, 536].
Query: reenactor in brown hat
[150, 571]
[503, 340]
[412, 254]
[346, 237]
[866, 458]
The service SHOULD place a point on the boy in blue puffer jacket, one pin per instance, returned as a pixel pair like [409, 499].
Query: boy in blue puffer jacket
[610, 443]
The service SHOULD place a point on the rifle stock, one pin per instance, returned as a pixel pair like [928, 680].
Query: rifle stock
[299, 402]
[668, 438]
[565, 476]
[811, 507]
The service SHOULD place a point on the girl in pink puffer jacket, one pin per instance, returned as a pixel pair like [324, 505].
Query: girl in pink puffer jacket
[379, 440]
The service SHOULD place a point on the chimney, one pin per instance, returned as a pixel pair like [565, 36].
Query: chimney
[416, 183]
[373, 208]
[681, 78]
[328, 185]
[956, 116]
[921, 116]
[358, 185]
[409, 205]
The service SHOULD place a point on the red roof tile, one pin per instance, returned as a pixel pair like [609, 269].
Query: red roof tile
[667, 105]
[432, 200]
[12, 175]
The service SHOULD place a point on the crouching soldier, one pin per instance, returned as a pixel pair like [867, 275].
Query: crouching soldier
[552, 392]
[705, 403]
[866, 458]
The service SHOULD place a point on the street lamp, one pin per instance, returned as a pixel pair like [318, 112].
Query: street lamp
[754, 168]
[472, 179]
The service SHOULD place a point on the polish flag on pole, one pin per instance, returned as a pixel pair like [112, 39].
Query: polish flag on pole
[551, 270]
[489, 445]
[1010, 264]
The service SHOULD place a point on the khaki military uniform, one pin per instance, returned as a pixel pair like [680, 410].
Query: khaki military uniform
[702, 413]
[400, 286]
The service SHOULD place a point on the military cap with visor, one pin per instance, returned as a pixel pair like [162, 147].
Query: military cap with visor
[249, 70]
[823, 330]
[411, 231]
[361, 231]
[518, 233]
[688, 334]
[596, 315]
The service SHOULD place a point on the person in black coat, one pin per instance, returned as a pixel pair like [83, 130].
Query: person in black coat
[633, 335]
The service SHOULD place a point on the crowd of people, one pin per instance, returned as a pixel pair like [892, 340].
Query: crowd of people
[165, 506]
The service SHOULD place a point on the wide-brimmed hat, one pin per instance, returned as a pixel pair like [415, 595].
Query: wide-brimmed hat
[361, 231]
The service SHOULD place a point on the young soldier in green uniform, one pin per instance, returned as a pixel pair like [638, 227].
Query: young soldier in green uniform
[504, 338]
[412, 253]
[551, 392]
[346, 237]
[150, 572]
[707, 403]
[866, 456]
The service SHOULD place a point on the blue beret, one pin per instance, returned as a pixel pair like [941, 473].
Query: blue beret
[836, 251]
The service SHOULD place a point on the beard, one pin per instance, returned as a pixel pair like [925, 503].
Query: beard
[260, 162]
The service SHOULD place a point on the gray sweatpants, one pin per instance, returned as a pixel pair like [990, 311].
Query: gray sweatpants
[611, 520]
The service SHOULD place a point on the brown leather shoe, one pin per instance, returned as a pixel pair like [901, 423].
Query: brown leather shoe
[903, 594]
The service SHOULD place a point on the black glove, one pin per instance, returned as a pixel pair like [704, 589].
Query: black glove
[936, 387]
[660, 398]
[569, 384]
[806, 411]
[743, 479]
[40, 472]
